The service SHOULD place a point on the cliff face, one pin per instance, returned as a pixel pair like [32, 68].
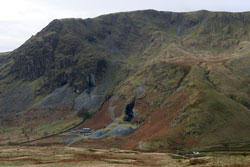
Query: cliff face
[174, 80]
[68, 43]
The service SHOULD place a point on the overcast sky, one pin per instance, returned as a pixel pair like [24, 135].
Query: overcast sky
[19, 19]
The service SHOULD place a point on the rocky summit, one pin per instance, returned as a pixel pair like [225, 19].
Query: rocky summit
[146, 80]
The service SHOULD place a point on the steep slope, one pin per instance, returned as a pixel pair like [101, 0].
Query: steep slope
[161, 80]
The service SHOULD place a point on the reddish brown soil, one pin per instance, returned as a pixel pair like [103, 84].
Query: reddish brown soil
[102, 118]
[160, 121]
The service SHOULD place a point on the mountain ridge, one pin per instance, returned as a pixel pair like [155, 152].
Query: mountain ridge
[154, 80]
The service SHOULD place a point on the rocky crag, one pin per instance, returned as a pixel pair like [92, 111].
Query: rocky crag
[152, 80]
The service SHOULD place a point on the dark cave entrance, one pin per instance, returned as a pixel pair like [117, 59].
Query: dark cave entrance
[129, 111]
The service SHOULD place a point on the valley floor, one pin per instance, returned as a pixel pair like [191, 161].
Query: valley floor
[81, 157]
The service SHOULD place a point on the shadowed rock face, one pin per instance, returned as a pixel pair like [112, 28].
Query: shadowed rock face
[35, 57]
[90, 82]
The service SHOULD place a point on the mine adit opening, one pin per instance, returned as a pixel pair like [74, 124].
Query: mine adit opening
[129, 111]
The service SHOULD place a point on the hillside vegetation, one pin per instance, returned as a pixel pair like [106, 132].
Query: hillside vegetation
[145, 80]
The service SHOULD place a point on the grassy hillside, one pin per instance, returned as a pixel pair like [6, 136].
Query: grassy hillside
[182, 79]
